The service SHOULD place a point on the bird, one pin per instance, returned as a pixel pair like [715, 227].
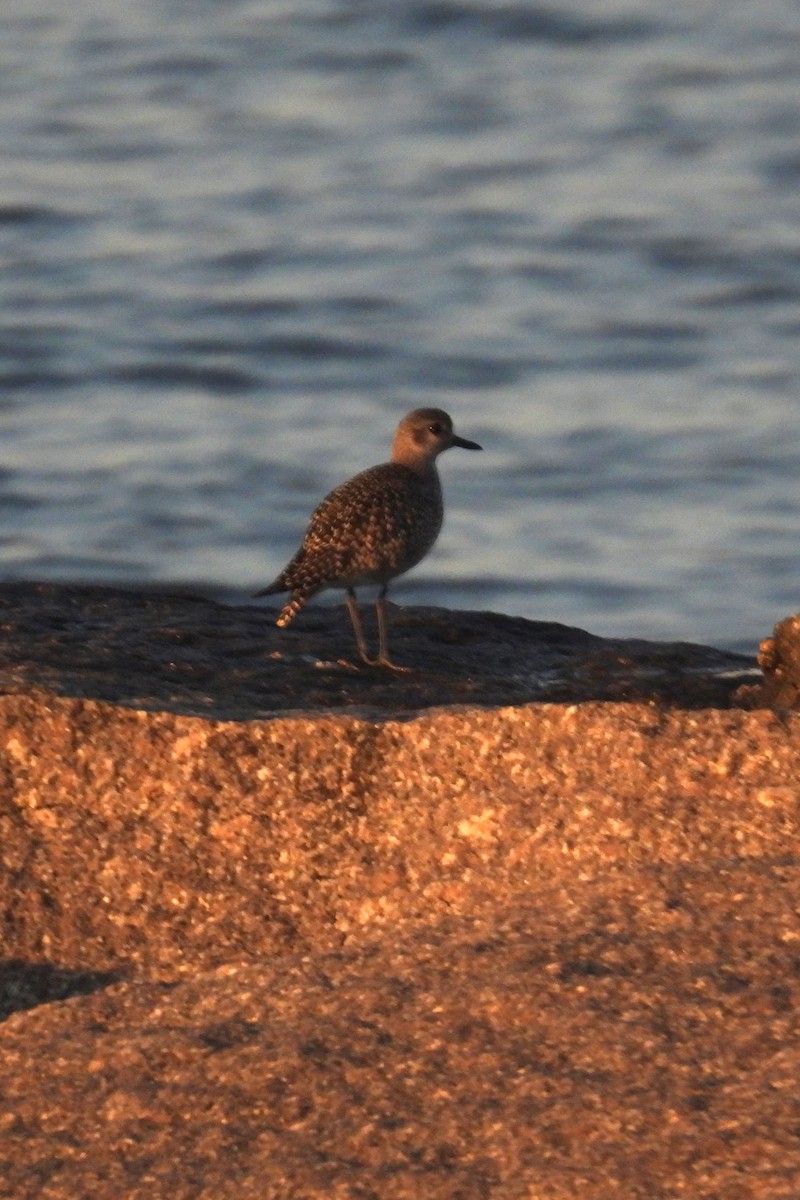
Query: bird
[374, 527]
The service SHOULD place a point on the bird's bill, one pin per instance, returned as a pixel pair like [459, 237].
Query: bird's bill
[464, 444]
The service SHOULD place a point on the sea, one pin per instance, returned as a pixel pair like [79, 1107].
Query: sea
[239, 239]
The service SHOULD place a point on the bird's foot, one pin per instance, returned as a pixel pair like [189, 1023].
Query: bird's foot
[387, 664]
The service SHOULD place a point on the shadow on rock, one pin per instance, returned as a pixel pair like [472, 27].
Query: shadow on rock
[25, 985]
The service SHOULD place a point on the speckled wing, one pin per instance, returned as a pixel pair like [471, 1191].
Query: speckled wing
[368, 530]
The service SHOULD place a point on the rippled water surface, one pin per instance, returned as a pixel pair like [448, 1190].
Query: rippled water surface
[240, 239]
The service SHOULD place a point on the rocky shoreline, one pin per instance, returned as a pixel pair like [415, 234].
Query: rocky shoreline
[524, 923]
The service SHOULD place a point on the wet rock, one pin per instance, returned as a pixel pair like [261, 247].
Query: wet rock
[190, 655]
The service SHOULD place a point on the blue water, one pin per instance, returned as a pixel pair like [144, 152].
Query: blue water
[240, 239]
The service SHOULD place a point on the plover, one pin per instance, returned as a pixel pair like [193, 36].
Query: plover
[375, 527]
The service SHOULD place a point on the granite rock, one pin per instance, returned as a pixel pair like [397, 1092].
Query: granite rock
[779, 658]
[279, 929]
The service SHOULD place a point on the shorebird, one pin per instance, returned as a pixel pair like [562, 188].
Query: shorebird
[374, 527]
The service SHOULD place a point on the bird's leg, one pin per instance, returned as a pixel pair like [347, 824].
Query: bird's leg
[358, 628]
[383, 659]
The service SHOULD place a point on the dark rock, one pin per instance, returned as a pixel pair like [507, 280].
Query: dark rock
[185, 654]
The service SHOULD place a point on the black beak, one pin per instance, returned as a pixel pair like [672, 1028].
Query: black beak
[464, 444]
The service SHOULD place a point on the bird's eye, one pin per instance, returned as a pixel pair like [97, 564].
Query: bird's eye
[435, 429]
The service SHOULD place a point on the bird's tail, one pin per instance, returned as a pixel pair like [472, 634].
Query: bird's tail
[277, 585]
[293, 605]
[290, 610]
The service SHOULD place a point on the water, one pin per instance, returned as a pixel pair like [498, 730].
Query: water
[240, 239]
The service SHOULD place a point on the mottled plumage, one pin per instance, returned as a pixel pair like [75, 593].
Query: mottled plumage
[375, 526]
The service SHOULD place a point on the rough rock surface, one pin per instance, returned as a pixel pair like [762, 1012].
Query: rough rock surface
[779, 658]
[549, 949]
